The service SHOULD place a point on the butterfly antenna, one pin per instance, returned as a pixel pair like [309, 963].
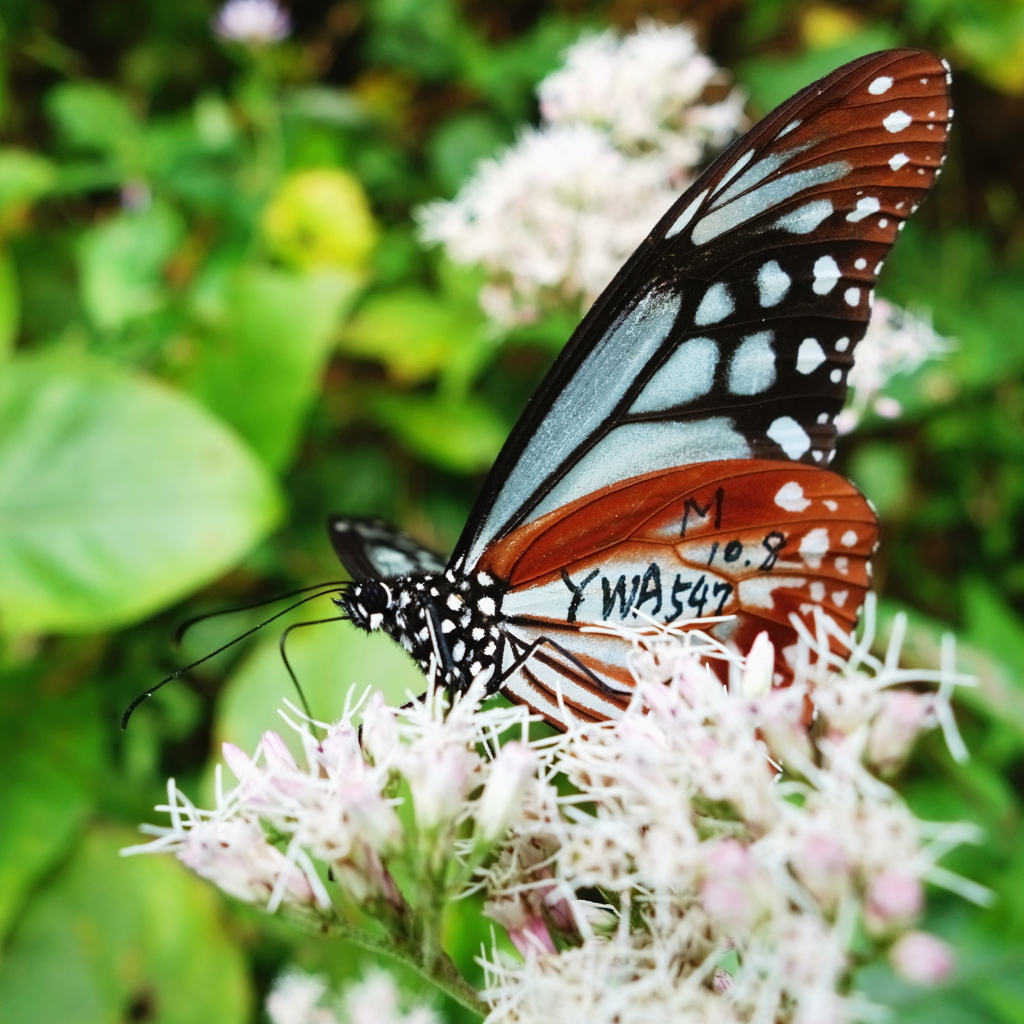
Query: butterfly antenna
[128, 711]
[179, 633]
[283, 642]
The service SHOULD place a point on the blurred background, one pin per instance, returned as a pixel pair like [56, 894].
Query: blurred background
[218, 324]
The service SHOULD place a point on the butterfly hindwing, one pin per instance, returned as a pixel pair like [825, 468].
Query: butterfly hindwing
[756, 540]
[371, 548]
[730, 332]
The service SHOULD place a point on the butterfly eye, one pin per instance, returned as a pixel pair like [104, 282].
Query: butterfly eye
[367, 602]
[375, 597]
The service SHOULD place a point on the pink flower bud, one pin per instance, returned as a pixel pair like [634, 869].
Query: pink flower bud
[380, 730]
[277, 754]
[533, 937]
[238, 761]
[922, 958]
[821, 865]
[895, 728]
[440, 781]
[888, 408]
[893, 900]
[510, 774]
[731, 889]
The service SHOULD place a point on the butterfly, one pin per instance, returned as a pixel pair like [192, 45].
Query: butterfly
[671, 465]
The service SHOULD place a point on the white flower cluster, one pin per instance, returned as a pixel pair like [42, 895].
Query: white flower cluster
[712, 856]
[624, 126]
[252, 22]
[299, 999]
[897, 342]
[341, 807]
[716, 859]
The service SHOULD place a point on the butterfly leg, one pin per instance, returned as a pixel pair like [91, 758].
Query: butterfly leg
[528, 651]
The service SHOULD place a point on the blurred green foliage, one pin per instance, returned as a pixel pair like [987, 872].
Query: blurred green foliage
[216, 326]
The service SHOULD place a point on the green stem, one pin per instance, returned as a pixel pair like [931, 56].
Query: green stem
[441, 973]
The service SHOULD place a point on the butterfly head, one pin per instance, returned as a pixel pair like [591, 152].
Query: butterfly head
[367, 604]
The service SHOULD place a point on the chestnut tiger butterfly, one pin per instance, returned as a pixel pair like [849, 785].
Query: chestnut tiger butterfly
[671, 464]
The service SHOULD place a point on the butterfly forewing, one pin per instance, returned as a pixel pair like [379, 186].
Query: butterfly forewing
[730, 332]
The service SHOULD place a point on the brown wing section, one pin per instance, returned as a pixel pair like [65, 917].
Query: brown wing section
[758, 540]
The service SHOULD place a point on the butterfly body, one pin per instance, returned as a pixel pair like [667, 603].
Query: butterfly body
[671, 466]
[449, 624]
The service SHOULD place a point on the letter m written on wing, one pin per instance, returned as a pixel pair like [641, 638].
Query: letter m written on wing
[694, 513]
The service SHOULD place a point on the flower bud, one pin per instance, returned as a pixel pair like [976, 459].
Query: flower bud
[893, 900]
[240, 763]
[922, 958]
[440, 780]
[759, 668]
[895, 728]
[511, 772]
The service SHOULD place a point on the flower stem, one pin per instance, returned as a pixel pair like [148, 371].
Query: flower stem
[441, 973]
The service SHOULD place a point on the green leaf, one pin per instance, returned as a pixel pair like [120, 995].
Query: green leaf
[48, 767]
[92, 116]
[24, 177]
[115, 939]
[121, 262]
[462, 436]
[117, 496]
[334, 662]
[460, 143]
[883, 472]
[260, 367]
[418, 335]
[10, 305]
[771, 80]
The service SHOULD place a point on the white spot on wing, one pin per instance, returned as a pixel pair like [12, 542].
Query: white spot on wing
[789, 436]
[716, 305]
[752, 369]
[751, 204]
[804, 220]
[809, 356]
[789, 127]
[852, 296]
[897, 121]
[898, 161]
[687, 375]
[772, 283]
[734, 170]
[839, 597]
[865, 207]
[756, 592]
[848, 539]
[814, 547]
[842, 564]
[842, 344]
[881, 84]
[791, 497]
[817, 591]
[826, 273]
[686, 216]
